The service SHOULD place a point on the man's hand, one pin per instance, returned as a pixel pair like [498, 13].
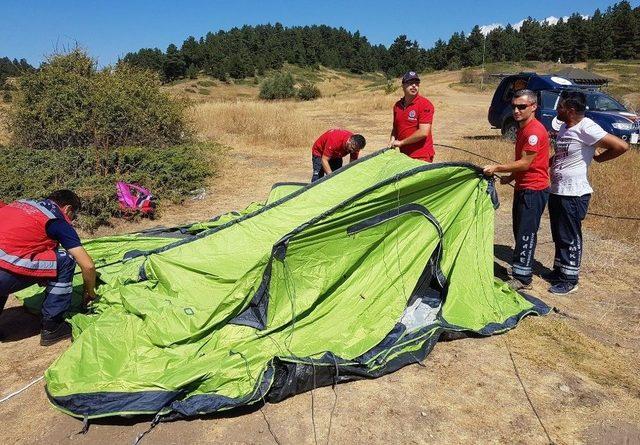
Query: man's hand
[88, 271]
[89, 296]
[396, 143]
[490, 170]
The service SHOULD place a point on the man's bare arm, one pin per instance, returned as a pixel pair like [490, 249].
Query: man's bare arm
[613, 147]
[421, 133]
[326, 166]
[520, 165]
[88, 269]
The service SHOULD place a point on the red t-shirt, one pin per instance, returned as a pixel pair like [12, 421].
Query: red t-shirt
[533, 137]
[332, 144]
[405, 123]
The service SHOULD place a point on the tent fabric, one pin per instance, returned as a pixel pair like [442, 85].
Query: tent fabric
[353, 276]
[110, 253]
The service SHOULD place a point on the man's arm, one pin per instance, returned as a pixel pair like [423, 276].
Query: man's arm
[325, 165]
[88, 271]
[520, 165]
[613, 147]
[421, 133]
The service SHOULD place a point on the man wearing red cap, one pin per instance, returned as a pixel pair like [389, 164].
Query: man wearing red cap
[412, 120]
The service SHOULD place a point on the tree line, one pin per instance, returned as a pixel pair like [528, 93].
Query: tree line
[13, 68]
[252, 50]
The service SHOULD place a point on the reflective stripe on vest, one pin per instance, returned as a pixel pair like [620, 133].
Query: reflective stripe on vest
[25, 248]
[37, 205]
[27, 264]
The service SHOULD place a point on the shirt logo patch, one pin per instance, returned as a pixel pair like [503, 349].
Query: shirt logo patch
[533, 139]
[412, 115]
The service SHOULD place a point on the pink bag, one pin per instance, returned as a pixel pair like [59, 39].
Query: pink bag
[134, 198]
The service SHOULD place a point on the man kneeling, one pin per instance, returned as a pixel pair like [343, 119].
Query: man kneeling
[31, 233]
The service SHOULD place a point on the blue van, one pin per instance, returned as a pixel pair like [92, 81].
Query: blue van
[610, 114]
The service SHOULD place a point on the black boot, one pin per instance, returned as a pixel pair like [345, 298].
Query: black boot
[54, 332]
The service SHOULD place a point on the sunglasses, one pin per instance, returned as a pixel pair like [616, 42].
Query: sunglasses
[520, 107]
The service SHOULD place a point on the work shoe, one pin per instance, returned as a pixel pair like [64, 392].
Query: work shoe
[563, 288]
[552, 276]
[516, 284]
[49, 337]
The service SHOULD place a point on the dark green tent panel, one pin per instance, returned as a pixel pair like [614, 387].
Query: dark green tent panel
[351, 277]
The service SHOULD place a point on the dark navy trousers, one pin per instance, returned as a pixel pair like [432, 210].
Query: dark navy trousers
[318, 171]
[58, 290]
[566, 214]
[528, 206]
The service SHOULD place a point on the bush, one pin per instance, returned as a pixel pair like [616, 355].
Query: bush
[68, 103]
[192, 72]
[280, 86]
[206, 83]
[308, 91]
[467, 76]
[170, 173]
[390, 86]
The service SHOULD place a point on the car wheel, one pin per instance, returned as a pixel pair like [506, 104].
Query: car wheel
[509, 129]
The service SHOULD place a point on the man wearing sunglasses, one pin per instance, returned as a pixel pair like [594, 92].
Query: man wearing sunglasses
[31, 233]
[412, 120]
[530, 170]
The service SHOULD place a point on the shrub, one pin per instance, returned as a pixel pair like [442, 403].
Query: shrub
[390, 86]
[467, 76]
[280, 86]
[192, 72]
[206, 83]
[170, 173]
[69, 103]
[308, 91]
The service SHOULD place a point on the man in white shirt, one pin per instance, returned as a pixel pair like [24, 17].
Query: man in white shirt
[576, 145]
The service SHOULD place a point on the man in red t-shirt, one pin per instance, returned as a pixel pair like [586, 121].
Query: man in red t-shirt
[531, 173]
[329, 149]
[412, 120]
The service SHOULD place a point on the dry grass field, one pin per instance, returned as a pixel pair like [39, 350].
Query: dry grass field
[571, 377]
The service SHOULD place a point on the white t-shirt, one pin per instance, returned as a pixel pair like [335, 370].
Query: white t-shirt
[575, 148]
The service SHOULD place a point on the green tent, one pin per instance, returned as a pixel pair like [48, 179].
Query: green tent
[351, 277]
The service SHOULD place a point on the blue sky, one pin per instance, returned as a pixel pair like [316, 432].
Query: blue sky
[109, 29]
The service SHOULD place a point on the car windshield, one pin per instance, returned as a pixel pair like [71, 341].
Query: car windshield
[602, 102]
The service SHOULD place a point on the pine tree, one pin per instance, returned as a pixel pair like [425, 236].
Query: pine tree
[174, 66]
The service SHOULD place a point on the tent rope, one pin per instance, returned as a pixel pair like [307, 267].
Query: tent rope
[15, 393]
[335, 398]
[313, 412]
[533, 408]
[262, 395]
[600, 215]
[154, 422]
